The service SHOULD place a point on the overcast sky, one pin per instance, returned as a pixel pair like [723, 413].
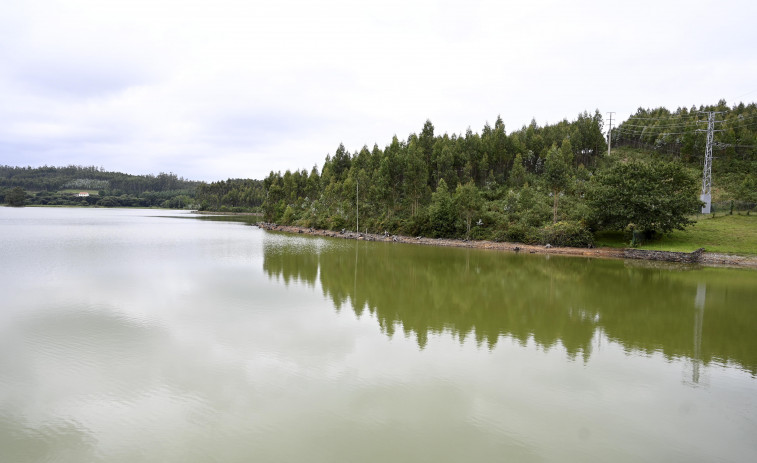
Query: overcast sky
[216, 89]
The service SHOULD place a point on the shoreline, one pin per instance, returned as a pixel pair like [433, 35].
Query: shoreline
[254, 214]
[699, 257]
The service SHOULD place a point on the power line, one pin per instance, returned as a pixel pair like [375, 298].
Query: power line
[682, 116]
[642, 133]
[742, 126]
[651, 127]
[729, 145]
[739, 118]
[625, 124]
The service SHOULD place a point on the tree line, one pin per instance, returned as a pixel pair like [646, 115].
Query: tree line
[535, 185]
[51, 178]
[49, 185]
[232, 195]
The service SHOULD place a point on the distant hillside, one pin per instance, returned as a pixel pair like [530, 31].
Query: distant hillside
[60, 186]
[53, 179]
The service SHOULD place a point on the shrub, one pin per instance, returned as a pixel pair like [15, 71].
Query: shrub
[517, 232]
[573, 234]
[289, 216]
[108, 201]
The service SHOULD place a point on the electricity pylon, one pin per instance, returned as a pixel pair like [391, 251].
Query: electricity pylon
[706, 196]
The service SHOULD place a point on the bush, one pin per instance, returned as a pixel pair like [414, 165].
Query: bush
[289, 216]
[417, 225]
[336, 222]
[517, 232]
[572, 234]
[108, 201]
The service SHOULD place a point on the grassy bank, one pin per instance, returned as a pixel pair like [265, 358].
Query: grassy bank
[729, 234]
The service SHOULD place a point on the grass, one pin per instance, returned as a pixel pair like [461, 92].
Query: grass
[728, 234]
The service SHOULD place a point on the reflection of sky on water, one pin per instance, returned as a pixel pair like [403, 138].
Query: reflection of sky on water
[199, 355]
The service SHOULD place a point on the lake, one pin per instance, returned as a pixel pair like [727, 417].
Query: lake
[160, 336]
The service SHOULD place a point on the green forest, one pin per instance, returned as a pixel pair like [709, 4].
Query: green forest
[552, 184]
[60, 186]
[539, 184]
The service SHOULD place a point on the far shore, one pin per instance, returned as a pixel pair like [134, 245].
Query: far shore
[698, 257]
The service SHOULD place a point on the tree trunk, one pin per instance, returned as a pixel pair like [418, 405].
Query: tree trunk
[554, 209]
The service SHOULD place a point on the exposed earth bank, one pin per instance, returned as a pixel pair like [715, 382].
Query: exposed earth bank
[700, 257]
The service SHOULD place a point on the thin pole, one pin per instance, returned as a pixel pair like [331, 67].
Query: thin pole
[609, 133]
[357, 205]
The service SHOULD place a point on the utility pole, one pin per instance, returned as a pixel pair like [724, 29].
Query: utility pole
[609, 132]
[706, 196]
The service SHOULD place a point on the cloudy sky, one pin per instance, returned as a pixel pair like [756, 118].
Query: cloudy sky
[216, 89]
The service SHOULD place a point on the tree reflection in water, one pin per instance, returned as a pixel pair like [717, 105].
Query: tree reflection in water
[548, 299]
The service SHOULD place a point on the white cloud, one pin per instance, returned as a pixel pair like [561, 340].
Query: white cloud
[221, 89]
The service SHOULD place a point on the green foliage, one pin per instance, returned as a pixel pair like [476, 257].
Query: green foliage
[53, 179]
[442, 215]
[573, 234]
[679, 135]
[16, 197]
[60, 185]
[289, 216]
[239, 194]
[519, 232]
[556, 175]
[532, 185]
[528, 206]
[653, 197]
[518, 172]
[467, 201]
[109, 201]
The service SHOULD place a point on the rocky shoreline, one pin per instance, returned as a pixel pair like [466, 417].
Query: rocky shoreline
[697, 257]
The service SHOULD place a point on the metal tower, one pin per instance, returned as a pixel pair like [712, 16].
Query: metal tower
[706, 195]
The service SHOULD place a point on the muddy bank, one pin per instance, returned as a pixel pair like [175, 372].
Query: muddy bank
[699, 257]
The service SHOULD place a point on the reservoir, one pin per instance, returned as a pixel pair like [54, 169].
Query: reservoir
[162, 336]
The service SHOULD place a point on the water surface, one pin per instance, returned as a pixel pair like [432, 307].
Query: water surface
[143, 335]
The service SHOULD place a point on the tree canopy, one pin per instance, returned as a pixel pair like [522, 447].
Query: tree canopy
[650, 197]
[539, 184]
[16, 197]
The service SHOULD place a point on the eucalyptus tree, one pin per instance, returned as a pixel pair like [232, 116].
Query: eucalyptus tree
[442, 212]
[16, 197]
[517, 173]
[468, 202]
[416, 175]
[556, 175]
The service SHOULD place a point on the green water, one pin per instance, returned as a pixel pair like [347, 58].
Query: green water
[135, 336]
